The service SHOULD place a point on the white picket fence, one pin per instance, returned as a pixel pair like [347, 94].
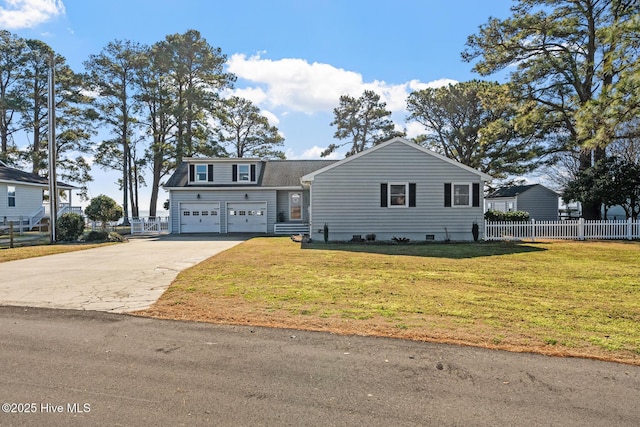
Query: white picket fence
[568, 230]
[156, 225]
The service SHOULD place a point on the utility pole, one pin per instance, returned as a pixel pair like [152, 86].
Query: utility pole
[53, 185]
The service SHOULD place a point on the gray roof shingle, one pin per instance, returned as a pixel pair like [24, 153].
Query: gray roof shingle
[9, 174]
[510, 191]
[275, 173]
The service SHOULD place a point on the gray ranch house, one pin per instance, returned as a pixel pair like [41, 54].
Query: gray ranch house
[541, 202]
[22, 198]
[395, 189]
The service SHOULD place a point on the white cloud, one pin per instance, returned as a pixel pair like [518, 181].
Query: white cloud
[16, 14]
[313, 153]
[297, 85]
[272, 118]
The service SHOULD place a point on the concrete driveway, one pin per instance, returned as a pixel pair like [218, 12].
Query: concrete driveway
[116, 278]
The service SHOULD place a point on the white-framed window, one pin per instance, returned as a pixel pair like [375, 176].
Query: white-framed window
[295, 206]
[244, 173]
[398, 195]
[461, 194]
[201, 173]
[11, 196]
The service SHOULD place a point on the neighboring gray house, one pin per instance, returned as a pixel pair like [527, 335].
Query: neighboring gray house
[22, 197]
[541, 202]
[396, 188]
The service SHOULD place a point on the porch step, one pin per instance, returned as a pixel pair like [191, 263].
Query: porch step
[290, 228]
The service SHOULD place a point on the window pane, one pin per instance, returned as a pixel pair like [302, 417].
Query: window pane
[461, 195]
[243, 173]
[201, 172]
[11, 193]
[398, 194]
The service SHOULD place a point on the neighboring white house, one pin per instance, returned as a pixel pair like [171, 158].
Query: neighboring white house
[396, 188]
[22, 197]
[540, 202]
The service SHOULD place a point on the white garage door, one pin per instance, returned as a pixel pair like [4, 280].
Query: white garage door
[200, 217]
[247, 217]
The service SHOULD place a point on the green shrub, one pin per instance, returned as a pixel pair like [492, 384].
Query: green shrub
[69, 227]
[104, 236]
[513, 216]
[97, 236]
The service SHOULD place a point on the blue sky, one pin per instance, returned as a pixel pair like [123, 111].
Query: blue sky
[293, 58]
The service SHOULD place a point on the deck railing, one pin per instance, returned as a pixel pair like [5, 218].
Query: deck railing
[568, 230]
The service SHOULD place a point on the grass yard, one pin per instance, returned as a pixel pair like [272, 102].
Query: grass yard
[13, 254]
[561, 298]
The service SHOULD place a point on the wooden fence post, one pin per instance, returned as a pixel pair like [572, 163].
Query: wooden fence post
[11, 234]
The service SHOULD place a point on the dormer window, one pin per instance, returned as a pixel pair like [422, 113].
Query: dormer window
[201, 173]
[244, 173]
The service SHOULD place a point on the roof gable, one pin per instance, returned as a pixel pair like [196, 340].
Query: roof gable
[309, 177]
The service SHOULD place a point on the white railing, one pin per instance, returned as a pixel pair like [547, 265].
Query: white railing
[569, 230]
[156, 225]
[290, 228]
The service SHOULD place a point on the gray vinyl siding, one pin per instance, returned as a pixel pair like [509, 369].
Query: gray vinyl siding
[540, 202]
[221, 196]
[283, 204]
[347, 197]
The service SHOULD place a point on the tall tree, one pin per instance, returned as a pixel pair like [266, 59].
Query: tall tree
[12, 61]
[157, 116]
[73, 122]
[112, 76]
[246, 131]
[362, 122]
[196, 76]
[472, 123]
[566, 54]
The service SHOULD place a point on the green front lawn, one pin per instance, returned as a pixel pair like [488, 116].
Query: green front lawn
[564, 298]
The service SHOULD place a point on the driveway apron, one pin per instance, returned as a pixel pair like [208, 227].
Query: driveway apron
[116, 278]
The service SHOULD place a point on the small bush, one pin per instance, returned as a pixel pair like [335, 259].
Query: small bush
[514, 216]
[69, 227]
[97, 236]
[104, 236]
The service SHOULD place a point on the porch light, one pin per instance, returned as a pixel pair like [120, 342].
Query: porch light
[198, 196]
[246, 196]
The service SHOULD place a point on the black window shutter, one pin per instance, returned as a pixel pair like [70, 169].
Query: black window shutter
[234, 173]
[253, 173]
[476, 195]
[412, 195]
[210, 173]
[447, 194]
[383, 195]
[192, 173]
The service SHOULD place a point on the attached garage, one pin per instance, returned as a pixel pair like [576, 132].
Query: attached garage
[247, 217]
[200, 217]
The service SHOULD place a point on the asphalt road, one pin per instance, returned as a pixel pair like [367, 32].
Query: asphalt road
[64, 367]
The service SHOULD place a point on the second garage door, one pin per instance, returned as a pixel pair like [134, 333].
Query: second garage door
[247, 217]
